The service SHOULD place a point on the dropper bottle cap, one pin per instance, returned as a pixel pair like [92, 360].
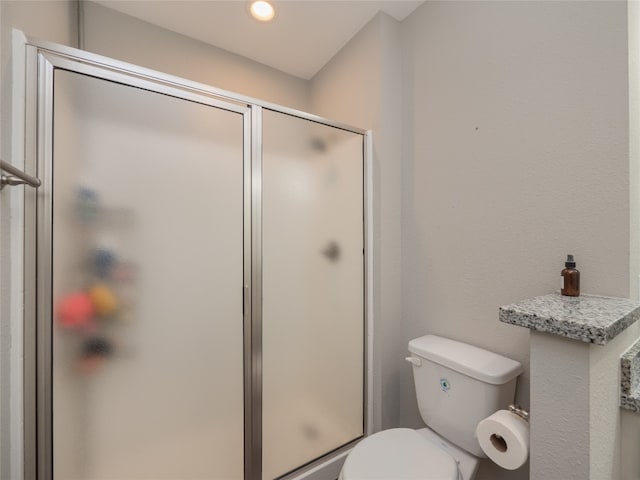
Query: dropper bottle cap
[570, 263]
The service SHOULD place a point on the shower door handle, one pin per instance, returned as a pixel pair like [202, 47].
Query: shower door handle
[17, 177]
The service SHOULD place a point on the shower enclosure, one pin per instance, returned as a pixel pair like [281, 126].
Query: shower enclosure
[196, 260]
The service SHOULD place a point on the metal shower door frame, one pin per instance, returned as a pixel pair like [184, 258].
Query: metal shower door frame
[41, 59]
[41, 63]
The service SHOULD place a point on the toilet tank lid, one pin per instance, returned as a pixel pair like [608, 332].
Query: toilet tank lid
[473, 361]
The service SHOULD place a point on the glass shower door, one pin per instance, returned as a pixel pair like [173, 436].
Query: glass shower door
[313, 291]
[147, 314]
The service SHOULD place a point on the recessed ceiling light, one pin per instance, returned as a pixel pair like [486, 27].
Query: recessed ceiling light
[262, 10]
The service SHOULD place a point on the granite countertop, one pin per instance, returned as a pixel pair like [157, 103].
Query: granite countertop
[588, 318]
[630, 378]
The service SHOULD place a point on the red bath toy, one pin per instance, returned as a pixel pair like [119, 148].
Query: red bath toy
[75, 310]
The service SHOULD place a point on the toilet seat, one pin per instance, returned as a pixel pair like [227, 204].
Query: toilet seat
[398, 454]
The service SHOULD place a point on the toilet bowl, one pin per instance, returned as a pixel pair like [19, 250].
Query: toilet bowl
[406, 454]
[457, 386]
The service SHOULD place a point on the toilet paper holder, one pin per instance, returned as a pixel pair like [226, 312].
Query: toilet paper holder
[518, 410]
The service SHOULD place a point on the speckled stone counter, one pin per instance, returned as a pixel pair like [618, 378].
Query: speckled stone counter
[588, 318]
[630, 378]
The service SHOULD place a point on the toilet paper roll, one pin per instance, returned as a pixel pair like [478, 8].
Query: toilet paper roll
[504, 437]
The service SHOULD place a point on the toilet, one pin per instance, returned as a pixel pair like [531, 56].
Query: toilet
[457, 385]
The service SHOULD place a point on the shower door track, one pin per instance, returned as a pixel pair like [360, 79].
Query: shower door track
[41, 58]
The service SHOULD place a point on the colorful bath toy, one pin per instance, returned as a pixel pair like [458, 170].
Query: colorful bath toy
[95, 350]
[104, 300]
[75, 310]
[97, 346]
[104, 260]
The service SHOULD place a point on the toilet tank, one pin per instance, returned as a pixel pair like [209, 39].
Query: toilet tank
[457, 385]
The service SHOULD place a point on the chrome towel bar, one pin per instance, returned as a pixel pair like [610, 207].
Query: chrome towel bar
[17, 177]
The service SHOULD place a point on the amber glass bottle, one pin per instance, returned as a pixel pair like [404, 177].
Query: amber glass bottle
[570, 278]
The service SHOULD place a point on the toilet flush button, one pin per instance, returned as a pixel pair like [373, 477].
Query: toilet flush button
[414, 361]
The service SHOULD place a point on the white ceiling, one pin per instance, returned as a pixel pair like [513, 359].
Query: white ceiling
[305, 35]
